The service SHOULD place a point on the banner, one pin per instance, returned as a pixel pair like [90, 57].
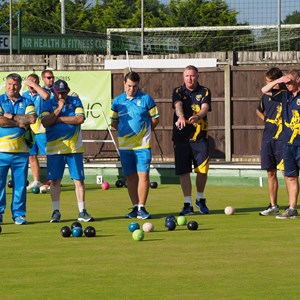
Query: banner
[92, 87]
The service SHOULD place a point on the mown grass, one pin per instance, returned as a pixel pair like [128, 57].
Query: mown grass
[243, 256]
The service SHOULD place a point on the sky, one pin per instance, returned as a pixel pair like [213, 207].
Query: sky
[259, 12]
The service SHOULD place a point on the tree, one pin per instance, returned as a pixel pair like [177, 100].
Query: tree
[294, 34]
[293, 18]
[155, 14]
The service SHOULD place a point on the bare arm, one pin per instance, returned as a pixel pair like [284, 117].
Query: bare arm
[260, 115]
[74, 120]
[114, 124]
[180, 114]
[52, 118]
[200, 115]
[268, 87]
[22, 121]
[154, 123]
[44, 94]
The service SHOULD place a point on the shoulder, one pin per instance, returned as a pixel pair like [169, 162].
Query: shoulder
[120, 98]
[73, 99]
[179, 89]
[26, 94]
[3, 97]
[202, 88]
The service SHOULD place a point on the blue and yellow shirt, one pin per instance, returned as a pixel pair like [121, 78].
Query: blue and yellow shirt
[12, 139]
[134, 120]
[64, 138]
[37, 127]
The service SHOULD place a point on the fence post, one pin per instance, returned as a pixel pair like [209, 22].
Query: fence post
[227, 111]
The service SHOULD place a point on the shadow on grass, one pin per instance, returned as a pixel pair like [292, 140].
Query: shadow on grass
[6, 233]
[152, 240]
[239, 211]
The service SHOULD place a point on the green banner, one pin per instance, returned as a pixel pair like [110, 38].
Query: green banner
[93, 88]
[61, 43]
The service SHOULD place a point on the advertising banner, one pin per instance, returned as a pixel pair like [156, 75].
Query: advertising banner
[92, 87]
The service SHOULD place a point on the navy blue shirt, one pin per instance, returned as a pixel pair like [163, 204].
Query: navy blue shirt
[290, 116]
[191, 102]
[272, 109]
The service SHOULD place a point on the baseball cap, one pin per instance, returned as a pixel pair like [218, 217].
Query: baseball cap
[60, 86]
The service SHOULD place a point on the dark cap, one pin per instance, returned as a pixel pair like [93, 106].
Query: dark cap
[60, 86]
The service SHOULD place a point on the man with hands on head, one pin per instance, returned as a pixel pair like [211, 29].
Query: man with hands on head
[291, 135]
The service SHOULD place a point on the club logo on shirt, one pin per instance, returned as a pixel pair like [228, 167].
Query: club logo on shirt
[298, 101]
[199, 97]
[20, 105]
[139, 103]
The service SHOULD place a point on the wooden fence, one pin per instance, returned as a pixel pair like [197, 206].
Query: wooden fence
[235, 131]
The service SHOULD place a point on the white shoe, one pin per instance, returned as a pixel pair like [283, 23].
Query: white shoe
[270, 211]
[34, 184]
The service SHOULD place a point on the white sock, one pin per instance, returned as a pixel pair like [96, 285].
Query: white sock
[81, 206]
[140, 205]
[199, 196]
[188, 199]
[55, 205]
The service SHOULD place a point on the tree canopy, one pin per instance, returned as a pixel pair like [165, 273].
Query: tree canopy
[45, 16]
[83, 18]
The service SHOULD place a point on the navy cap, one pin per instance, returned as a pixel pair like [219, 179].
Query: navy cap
[60, 86]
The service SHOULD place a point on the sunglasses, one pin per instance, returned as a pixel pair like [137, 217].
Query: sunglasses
[49, 77]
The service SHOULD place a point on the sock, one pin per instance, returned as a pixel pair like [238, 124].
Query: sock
[81, 206]
[55, 205]
[199, 196]
[140, 205]
[188, 199]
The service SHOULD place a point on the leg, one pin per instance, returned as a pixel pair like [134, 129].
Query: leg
[55, 189]
[80, 195]
[272, 186]
[201, 179]
[80, 192]
[132, 187]
[19, 170]
[35, 167]
[4, 166]
[143, 187]
[34, 164]
[186, 184]
[293, 190]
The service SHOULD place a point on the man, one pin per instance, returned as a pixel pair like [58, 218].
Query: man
[48, 79]
[291, 136]
[270, 112]
[134, 114]
[62, 117]
[191, 102]
[37, 95]
[16, 114]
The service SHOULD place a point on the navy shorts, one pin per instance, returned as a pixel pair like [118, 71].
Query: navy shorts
[272, 155]
[192, 153]
[291, 158]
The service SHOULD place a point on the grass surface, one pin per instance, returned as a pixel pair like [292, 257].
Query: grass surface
[243, 256]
